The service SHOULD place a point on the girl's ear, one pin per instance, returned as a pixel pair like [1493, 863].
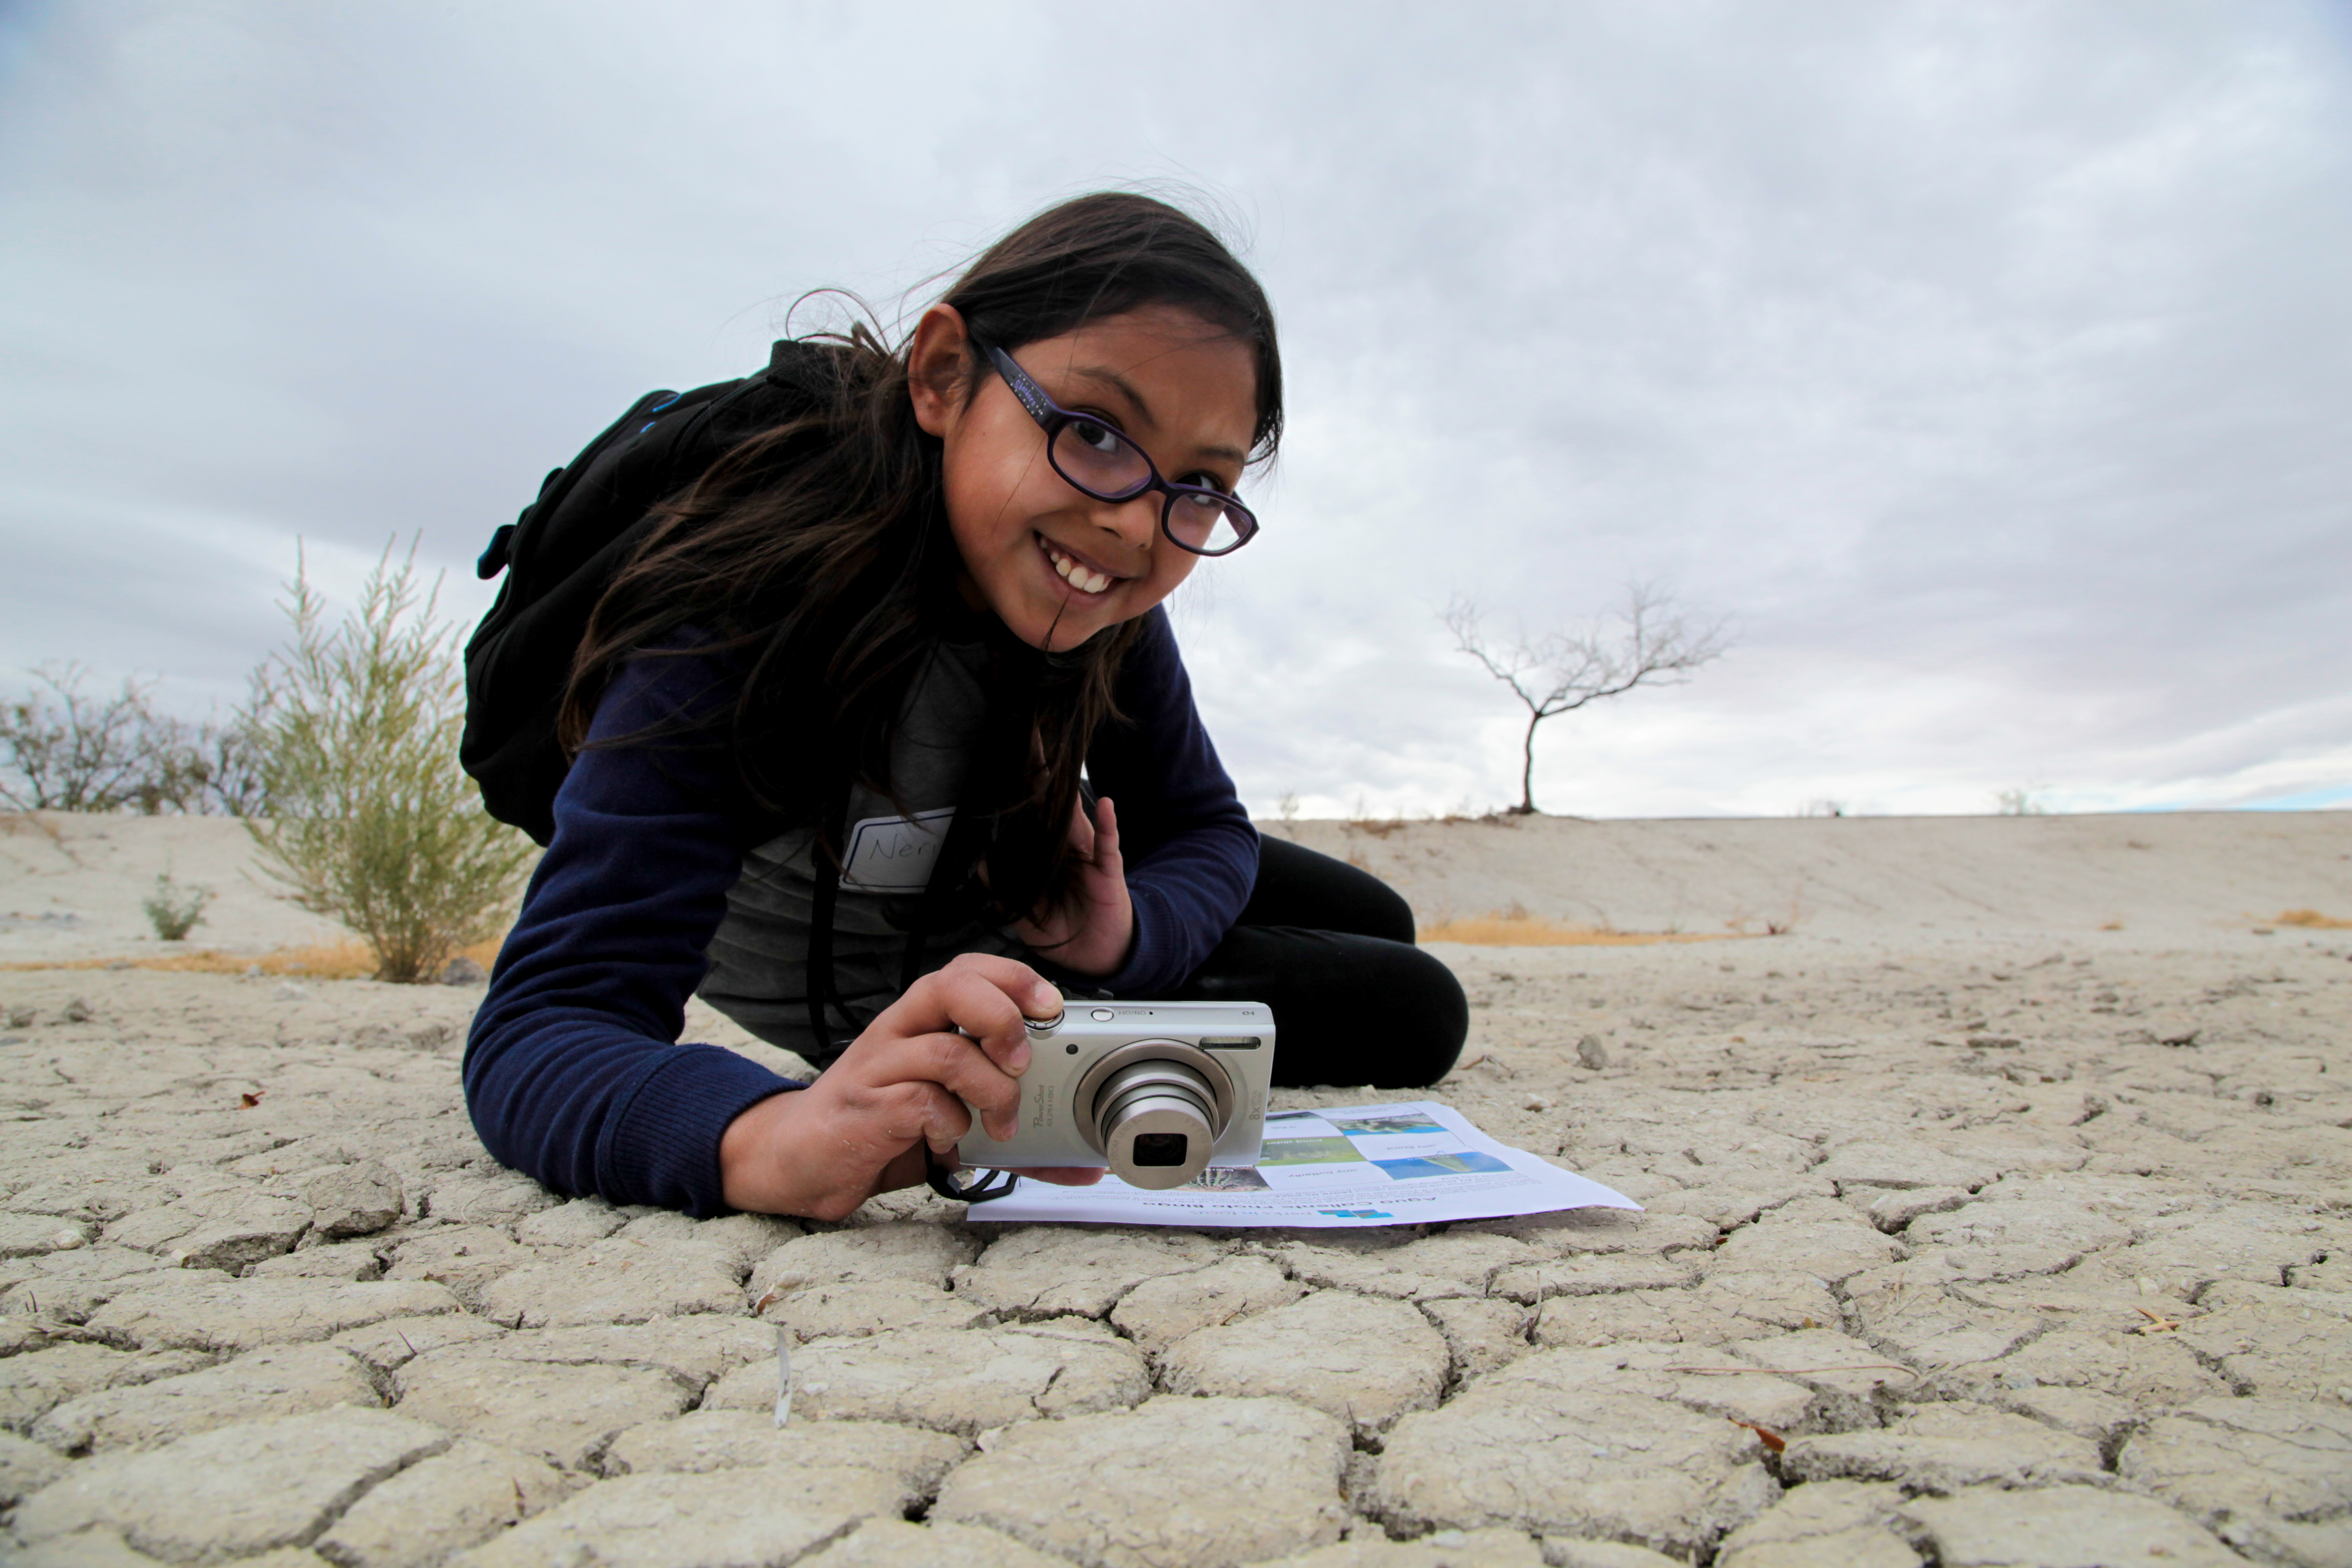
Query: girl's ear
[937, 373]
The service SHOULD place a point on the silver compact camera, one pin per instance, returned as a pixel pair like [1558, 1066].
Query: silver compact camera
[1157, 1092]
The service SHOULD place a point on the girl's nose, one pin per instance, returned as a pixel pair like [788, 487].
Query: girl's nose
[1136, 522]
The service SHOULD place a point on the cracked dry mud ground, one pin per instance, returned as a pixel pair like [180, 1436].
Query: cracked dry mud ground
[1972, 1254]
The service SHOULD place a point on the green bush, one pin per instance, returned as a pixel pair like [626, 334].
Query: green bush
[174, 909]
[371, 819]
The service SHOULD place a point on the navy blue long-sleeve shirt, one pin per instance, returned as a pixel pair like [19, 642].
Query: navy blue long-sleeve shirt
[571, 1075]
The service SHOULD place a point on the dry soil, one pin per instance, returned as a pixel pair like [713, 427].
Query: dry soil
[1999, 1212]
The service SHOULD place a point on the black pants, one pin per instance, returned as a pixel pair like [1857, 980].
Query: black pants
[1329, 948]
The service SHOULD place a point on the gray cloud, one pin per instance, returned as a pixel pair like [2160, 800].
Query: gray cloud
[1990, 365]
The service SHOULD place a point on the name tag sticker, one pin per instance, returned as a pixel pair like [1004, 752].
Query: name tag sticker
[894, 853]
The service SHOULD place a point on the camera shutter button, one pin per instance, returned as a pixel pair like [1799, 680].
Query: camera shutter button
[1102, 1014]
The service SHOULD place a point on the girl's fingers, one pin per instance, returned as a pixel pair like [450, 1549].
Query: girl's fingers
[984, 995]
[956, 1037]
[980, 1007]
[1082, 832]
[1031, 991]
[948, 1063]
[1106, 837]
[945, 1118]
[912, 1113]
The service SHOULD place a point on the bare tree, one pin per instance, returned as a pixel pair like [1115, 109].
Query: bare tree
[1560, 672]
[63, 749]
[230, 761]
[67, 751]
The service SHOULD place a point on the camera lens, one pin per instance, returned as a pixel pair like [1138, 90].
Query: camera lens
[1158, 1120]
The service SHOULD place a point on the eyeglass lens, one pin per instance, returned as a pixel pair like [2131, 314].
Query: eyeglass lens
[1105, 463]
[1094, 457]
[1204, 523]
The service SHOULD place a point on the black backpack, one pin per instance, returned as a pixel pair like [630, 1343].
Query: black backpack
[567, 546]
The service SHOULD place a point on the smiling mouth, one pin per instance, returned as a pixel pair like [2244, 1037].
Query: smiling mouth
[1086, 579]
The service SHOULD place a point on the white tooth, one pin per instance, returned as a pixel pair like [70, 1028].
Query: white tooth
[1086, 579]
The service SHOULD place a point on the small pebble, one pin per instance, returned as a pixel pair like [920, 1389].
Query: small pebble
[1592, 1053]
[289, 992]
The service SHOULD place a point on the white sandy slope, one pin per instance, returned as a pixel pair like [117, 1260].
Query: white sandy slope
[71, 885]
[2179, 876]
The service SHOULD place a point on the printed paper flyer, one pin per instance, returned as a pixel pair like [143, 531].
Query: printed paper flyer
[1410, 1163]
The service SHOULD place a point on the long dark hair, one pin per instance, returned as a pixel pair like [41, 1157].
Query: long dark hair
[815, 556]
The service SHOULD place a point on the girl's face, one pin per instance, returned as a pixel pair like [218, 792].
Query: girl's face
[1053, 563]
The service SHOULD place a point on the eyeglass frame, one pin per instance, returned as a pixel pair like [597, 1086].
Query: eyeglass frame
[1052, 418]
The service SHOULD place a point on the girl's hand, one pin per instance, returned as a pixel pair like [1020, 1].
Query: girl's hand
[864, 1125]
[1090, 931]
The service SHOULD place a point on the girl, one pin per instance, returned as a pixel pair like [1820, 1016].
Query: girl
[828, 730]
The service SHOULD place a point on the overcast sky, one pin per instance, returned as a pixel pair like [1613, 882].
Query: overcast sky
[1988, 367]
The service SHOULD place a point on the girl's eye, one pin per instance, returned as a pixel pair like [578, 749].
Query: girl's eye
[1098, 435]
[1207, 482]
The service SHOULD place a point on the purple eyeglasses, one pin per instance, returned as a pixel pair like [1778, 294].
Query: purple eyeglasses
[1097, 459]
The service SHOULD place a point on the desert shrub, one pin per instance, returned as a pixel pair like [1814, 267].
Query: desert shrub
[175, 908]
[64, 749]
[371, 819]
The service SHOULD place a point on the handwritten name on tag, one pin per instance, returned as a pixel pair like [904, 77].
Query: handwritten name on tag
[894, 853]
